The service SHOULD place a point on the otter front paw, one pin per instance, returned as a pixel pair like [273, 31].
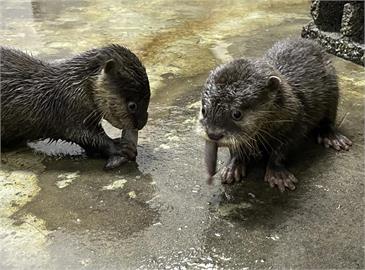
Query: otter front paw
[281, 178]
[114, 162]
[120, 152]
[234, 171]
[126, 148]
[334, 139]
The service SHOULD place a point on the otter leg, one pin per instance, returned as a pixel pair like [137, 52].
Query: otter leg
[126, 151]
[234, 170]
[126, 147]
[89, 150]
[98, 140]
[329, 136]
[277, 175]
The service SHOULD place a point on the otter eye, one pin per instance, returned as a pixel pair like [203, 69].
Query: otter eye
[132, 106]
[204, 112]
[236, 115]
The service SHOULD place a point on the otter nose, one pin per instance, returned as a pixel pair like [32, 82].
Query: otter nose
[215, 136]
[142, 121]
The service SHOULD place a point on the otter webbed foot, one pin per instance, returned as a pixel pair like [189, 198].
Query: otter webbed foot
[115, 162]
[125, 148]
[281, 178]
[124, 151]
[233, 171]
[333, 138]
[117, 151]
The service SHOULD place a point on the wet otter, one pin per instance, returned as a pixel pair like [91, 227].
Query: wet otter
[254, 106]
[68, 99]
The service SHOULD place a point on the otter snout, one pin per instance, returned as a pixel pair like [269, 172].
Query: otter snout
[215, 136]
[141, 121]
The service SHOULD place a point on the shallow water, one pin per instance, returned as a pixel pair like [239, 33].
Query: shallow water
[60, 210]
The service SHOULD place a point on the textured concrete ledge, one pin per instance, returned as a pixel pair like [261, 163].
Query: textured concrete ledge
[334, 43]
[339, 27]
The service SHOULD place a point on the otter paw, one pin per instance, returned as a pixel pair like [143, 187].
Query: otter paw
[281, 178]
[126, 148]
[234, 171]
[114, 162]
[335, 140]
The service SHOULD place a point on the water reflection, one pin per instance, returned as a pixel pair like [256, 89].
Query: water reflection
[52, 10]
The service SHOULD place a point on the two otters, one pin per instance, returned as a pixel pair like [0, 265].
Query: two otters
[250, 106]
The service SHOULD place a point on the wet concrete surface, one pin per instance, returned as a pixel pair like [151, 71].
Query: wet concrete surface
[60, 210]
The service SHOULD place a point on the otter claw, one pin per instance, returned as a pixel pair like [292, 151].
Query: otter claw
[335, 140]
[126, 145]
[126, 148]
[114, 162]
[281, 178]
[234, 171]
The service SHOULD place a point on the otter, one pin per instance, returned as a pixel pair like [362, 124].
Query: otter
[268, 105]
[68, 99]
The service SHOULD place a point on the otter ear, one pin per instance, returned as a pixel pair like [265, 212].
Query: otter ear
[274, 83]
[110, 66]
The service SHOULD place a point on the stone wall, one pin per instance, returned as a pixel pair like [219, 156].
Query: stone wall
[339, 27]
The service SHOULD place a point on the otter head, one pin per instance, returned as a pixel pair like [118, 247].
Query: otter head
[122, 91]
[238, 99]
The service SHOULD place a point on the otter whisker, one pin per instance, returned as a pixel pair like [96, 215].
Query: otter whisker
[261, 132]
[279, 121]
[237, 147]
[271, 136]
[250, 141]
[244, 141]
[263, 141]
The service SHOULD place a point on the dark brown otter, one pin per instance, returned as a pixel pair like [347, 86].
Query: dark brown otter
[67, 100]
[269, 105]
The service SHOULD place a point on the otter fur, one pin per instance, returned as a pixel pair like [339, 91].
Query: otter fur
[268, 105]
[67, 100]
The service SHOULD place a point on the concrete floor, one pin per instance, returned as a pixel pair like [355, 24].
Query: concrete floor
[60, 210]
